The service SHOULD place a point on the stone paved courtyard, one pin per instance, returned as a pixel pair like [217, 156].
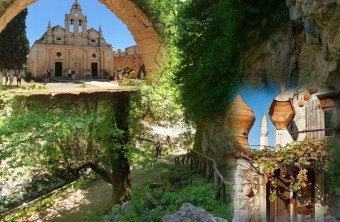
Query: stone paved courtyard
[69, 87]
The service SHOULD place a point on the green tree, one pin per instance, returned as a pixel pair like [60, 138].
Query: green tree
[209, 55]
[14, 45]
[70, 133]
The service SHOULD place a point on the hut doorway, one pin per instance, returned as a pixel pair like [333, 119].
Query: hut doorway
[297, 206]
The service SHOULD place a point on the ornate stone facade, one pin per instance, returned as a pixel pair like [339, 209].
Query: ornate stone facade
[84, 51]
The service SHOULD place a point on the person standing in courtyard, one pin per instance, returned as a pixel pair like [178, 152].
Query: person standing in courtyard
[19, 76]
[69, 73]
[45, 76]
[49, 73]
[10, 75]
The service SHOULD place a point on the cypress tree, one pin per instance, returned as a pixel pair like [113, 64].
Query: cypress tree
[14, 45]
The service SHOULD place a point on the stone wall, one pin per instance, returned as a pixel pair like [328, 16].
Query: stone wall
[250, 207]
[130, 58]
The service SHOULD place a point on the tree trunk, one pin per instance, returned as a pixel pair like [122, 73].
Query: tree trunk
[121, 186]
[120, 166]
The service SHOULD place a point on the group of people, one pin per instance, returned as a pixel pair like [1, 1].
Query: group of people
[159, 147]
[141, 74]
[10, 74]
[124, 71]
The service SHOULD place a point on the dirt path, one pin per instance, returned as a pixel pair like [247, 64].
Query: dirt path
[75, 206]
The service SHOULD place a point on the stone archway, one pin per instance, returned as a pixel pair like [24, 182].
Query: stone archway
[140, 26]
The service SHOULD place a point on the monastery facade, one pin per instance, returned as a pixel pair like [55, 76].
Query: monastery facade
[74, 47]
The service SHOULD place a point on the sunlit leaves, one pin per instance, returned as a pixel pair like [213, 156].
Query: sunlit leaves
[67, 135]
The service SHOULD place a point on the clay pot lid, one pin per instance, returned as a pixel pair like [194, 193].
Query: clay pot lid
[313, 90]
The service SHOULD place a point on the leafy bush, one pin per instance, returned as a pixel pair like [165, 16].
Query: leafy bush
[152, 204]
[333, 169]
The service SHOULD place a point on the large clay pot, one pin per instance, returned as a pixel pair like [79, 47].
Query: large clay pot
[241, 120]
[281, 113]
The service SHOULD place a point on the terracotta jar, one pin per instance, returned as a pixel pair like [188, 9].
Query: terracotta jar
[247, 190]
[301, 103]
[281, 113]
[306, 97]
[241, 120]
[313, 90]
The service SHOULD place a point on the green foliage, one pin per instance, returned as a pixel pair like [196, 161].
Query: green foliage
[262, 18]
[162, 13]
[309, 153]
[94, 215]
[141, 157]
[32, 85]
[205, 42]
[14, 45]
[333, 169]
[208, 67]
[49, 136]
[148, 204]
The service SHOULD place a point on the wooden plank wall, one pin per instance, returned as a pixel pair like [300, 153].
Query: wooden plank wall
[314, 119]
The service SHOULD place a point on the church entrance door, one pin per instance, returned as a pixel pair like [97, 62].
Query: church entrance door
[58, 69]
[94, 68]
[77, 68]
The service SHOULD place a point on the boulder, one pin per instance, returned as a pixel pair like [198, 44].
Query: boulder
[190, 213]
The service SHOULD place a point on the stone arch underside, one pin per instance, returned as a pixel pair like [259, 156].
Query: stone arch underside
[140, 26]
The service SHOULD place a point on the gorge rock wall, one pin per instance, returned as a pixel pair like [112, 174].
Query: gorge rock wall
[306, 50]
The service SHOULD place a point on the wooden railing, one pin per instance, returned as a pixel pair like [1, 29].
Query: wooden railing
[209, 170]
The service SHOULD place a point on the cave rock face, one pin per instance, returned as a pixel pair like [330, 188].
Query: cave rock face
[304, 50]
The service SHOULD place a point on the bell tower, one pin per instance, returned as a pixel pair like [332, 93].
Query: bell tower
[78, 21]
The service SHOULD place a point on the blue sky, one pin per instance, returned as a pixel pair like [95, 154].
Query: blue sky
[114, 31]
[259, 101]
